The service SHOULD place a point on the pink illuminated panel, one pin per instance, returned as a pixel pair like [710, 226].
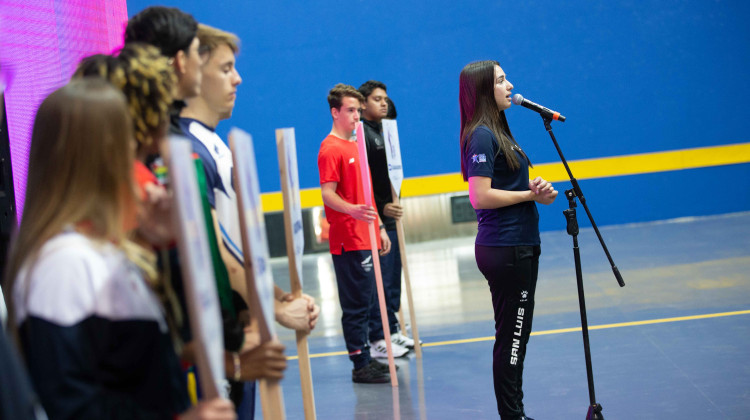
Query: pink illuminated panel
[41, 43]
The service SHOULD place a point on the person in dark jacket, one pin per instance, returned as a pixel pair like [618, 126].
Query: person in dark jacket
[374, 109]
[17, 400]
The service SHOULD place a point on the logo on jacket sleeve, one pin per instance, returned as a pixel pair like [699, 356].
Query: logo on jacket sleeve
[480, 158]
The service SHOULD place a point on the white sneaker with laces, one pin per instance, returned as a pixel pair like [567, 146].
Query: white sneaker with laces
[403, 340]
[378, 350]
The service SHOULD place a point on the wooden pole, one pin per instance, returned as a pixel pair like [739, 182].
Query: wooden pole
[396, 404]
[197, 270]
[272, 399]
[256, 261]
[401, 316]
[407, 282]
[420, 390]
[293, 216]
[367, 189]
[396, 175]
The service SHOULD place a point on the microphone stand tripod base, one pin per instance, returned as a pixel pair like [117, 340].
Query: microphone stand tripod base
[595, 409]
[595, 412]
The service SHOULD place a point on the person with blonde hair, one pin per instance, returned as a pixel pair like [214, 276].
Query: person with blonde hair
[220, 80]
[92, 331]
[147, 80]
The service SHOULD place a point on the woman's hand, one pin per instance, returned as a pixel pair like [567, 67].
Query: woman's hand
[544, 192]
[483, 196]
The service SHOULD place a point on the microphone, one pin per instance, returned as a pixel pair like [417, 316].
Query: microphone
[546, 112]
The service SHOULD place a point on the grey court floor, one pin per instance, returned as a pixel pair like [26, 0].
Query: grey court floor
[674, 343]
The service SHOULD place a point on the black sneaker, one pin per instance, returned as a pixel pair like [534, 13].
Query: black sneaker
[371, 374]
[383, 367]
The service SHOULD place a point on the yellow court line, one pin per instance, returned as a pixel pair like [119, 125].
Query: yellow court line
[564, 330]
[312, 356]
[643, 163]
[647, 322]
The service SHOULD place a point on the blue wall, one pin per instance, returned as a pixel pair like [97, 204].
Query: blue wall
[631, 76]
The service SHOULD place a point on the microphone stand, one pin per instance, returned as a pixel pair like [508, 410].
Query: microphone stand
[595, 409]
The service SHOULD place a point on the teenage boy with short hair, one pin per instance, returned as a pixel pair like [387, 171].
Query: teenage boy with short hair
[374, 109]
[349, 234]
[219, 82]
[174, 32]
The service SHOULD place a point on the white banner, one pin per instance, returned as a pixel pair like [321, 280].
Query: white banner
[292, 184]
[195, 259]
[393, 154]
[249, 189]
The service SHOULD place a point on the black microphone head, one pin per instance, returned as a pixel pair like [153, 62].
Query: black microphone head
[517, 99]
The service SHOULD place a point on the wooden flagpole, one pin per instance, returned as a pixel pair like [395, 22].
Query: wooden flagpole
[367, 189]
[407, 282]
[295, 244]
[197, 270]
[395, 172]
[256, 260]
[401, 316]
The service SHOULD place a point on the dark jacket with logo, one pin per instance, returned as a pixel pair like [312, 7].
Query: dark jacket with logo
[381, 183]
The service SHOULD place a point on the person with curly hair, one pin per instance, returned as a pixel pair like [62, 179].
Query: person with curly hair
[147, 80]
[91, 329]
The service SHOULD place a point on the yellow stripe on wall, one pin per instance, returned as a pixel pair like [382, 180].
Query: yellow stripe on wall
[554, 172]
[647, 162]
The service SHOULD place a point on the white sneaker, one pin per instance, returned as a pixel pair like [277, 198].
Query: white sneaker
[403, 340]
[378, 350]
